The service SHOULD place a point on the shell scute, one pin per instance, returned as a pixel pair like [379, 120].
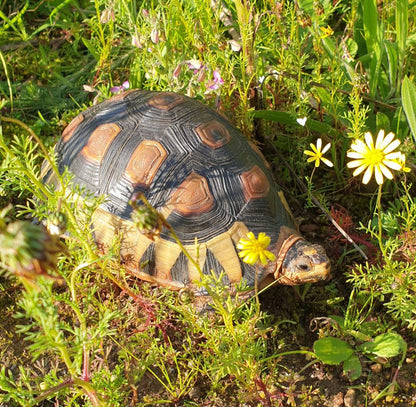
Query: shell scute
[99, 142]
[144, 163]
[192, 196]
[255, 183]
[213, 134]
[166, 101]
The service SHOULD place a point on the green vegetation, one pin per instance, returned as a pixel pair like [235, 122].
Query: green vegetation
[77, 330]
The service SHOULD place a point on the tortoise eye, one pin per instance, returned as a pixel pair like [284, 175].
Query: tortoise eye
[303, 267]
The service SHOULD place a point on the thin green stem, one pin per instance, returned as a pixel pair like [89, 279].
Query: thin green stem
[380, 230]
[66, 358]
[80, 316]
[3, 61]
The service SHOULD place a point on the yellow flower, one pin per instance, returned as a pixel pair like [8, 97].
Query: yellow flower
[252, 249]
[318, 152]
[402, 161]
[326, 32]
[376, 158]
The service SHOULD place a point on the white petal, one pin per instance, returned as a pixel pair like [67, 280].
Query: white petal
[359, 146]
[355, 163]
[327, 162]
[378, 174]
[359, 170]
[302, 120]
[326, 148]
[354, 154]
[380, 138]
[393, 156]
[386, 172]
[394, 165]
[384, 143]
[369, 140]
[368, 174]
[319, 144]
[392, 146]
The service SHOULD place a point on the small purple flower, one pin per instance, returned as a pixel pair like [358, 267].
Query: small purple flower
[216, 82]
[107, 15]
[235, 46]
[136, 41]
[154, 36]
[217, 77]
[177, 71]
[195, 65]
[125, 85]
[202, 75]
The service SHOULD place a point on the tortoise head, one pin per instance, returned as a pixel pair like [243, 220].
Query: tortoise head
[302, 262]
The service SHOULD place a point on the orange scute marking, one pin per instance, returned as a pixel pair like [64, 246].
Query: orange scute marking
[255, 183]
[99, 142]
[69, 130]
[193, 196]
[166, 100]
[145, 162]
[213, 134]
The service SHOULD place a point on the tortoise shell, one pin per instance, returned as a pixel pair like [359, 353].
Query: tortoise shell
[211, 184]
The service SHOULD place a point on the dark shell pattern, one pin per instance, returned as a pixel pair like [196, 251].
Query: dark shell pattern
[193, 166]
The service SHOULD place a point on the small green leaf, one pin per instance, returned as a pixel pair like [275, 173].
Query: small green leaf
[339, 320]
[332, 351]
[385, 345]
[409, 104]
[352, 47]
[307, 6]
[383, 121]
[352, 367]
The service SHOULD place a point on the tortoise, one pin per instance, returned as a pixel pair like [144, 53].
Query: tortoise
[211, 184]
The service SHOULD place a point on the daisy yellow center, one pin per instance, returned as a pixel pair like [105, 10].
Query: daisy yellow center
[257, 247]
[374, 157]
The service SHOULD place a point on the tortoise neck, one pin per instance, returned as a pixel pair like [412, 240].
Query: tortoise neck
[287, 238]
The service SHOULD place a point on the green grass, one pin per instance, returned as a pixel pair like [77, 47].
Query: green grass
[93, 335]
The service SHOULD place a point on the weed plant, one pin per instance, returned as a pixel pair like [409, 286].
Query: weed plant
[285, 73]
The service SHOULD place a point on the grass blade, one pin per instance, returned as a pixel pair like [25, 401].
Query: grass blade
[371, 27]
[373, 37]
[409, 104]
[402, 7]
